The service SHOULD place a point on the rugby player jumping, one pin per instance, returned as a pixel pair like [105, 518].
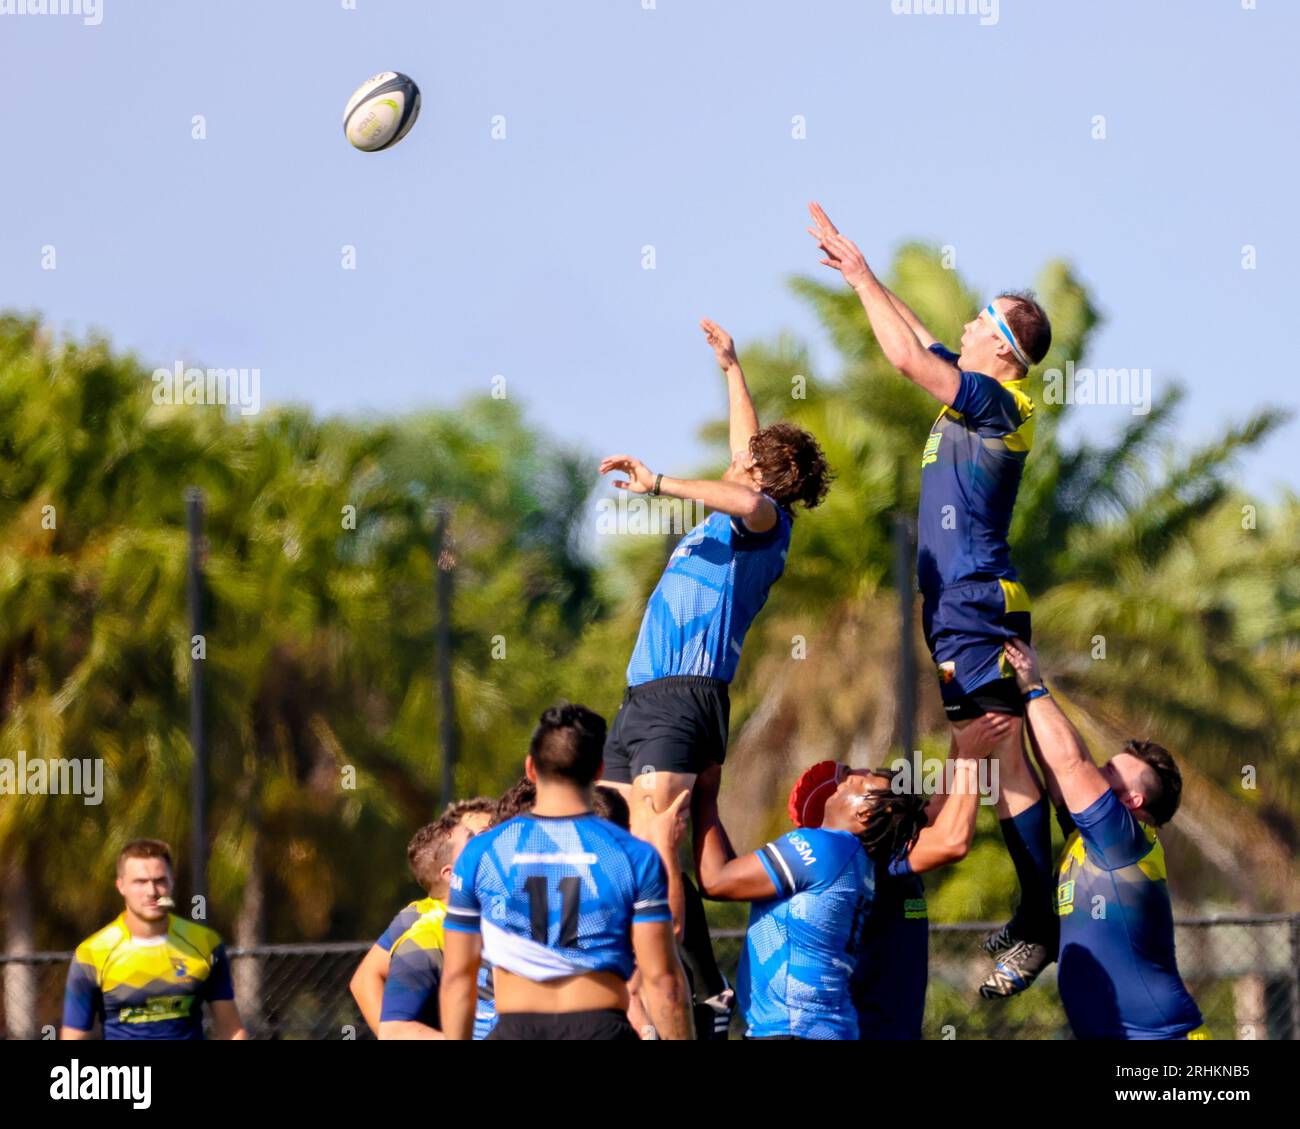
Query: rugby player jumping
[972, 600]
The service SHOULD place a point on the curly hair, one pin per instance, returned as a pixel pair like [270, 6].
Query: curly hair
[518, 798]
[429, 851]
[792, 465]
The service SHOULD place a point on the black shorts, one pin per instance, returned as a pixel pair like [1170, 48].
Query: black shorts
[1002, 695]
[605, 1026]
[676, 724]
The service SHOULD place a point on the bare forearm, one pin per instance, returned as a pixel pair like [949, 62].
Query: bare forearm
[744, 420]
[897, 339]
[668, 1005]
[917, 326]
[955, 825]
[367, 986]
[713, 849]
[948, 838]
[676, 892]
[1057, 743]
[728, 497]
[457, 1007]
[1049, 777]
[405, 1029]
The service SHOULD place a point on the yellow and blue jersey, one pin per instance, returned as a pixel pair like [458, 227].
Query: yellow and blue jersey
[147, 988]
[415, 976]
[557, 896]
[415, 970]
[889, 984]
[1118, 973]
[970, 475]
[716, 582]
[802, 945]
[405, 917]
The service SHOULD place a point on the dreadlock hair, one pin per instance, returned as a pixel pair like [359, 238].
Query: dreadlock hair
[897, 818]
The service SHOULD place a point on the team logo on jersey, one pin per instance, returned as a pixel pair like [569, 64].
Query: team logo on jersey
[931, 452]
[182, 973]
[1065, 898]
[800, 844]
[947, 671]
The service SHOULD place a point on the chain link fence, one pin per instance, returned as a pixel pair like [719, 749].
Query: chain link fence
[1244, 972]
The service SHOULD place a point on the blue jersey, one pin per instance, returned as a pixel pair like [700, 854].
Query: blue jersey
[557, 895]
[970, 475]
[802, 945]
[889, 985]
[1118, 975]
[716, 582]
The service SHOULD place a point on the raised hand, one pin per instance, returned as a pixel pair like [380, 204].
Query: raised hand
[666, 829]
[639, 480]
[1024, 661]
[821, 219]
[982, 736]
[721, 343]
[841, 255]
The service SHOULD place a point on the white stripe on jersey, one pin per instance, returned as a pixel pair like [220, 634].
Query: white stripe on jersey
[789, 878]
[587, 858]
[525, 957]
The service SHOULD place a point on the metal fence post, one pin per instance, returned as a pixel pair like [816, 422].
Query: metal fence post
[1295, 976]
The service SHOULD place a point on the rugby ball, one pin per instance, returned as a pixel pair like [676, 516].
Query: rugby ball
[381, 112]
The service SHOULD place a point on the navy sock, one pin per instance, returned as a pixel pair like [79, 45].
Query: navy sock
[1029, 842]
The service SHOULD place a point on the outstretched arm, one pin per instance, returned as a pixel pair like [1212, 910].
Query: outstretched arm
[952, 828]
[1057, 743]
[722, 875]
[902, 347]
[743, 418]
[823, 223]
[756, 510]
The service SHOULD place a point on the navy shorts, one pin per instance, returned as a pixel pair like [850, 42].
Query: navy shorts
[676, 724]
[966, 626]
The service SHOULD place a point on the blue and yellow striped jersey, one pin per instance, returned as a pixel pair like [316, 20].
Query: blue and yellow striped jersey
[1118, 974]
[970, 475]
[147, 988]
[415, 971]
[405, 917]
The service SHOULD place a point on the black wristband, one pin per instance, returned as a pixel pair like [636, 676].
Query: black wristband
[658, 480]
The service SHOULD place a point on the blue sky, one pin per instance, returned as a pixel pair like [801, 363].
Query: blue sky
[627, 127]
